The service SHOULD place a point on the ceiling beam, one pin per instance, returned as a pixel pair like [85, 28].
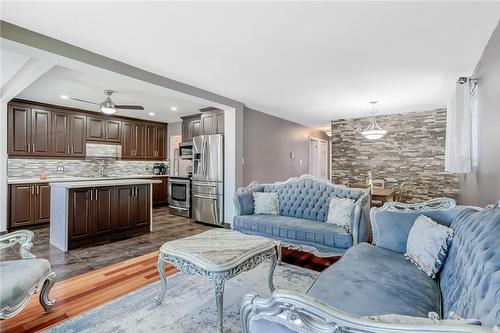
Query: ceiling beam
[25, 76]
[39, 41]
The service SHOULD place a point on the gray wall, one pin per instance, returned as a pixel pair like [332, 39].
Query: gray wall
[412, 151]
[267, 143]
[483, 186]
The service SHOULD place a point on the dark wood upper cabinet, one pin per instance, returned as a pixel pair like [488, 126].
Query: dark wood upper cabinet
[19, 120]
[133, 140]
[40, 132]
[212, 121]
[60, 134]
[127, 138]
[155, 141]
[195, 128]
[78, 135]
[161, 134]
[95, 129]
[191, 127]
[113, 130]
[139, 141]
[151, 141]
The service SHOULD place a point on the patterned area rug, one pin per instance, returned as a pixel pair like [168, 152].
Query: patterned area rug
[189, 305]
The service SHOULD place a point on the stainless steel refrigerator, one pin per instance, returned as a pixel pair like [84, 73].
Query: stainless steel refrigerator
[208, 179]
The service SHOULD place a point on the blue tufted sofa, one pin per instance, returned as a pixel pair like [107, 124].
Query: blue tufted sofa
[372, 280]
[303, 206]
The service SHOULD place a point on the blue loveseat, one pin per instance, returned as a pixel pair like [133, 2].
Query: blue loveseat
[303, 207]
[372, 280]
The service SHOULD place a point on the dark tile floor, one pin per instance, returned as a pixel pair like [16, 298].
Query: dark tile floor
[90, 257]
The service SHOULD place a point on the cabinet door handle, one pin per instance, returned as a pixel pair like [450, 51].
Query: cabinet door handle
[37, 189]
[96, 195]
[32, 148]
[32, 189]
[91, 195]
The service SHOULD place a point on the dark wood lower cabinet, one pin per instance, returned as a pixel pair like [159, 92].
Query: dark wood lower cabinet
[80, 214]
[109, 212]
[160, 192]
[140, 205]
[103, 210]
[42, 202]
[29, 204]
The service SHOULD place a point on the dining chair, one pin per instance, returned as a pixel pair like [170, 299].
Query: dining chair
[399, 193]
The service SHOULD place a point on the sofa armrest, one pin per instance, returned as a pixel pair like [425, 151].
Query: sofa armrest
[289, 311]
[21, 237]
[360, 226]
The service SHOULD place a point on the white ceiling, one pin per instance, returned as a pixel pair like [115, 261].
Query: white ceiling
[62, 81]
[304, 61]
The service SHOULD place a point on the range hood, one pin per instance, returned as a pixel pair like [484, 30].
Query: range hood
[103, 150]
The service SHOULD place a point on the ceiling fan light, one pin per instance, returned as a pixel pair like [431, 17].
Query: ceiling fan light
[107, 107]
[107, 110]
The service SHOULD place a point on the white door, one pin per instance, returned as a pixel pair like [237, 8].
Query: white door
[318, 157]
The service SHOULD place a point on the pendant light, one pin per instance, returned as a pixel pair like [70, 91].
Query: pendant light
[373, 131]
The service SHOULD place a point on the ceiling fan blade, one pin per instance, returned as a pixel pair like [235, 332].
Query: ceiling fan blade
[82, 100]
[129, 107]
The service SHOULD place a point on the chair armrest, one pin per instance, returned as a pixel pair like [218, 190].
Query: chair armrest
[296, 312]
[359, 219]
[21, 237]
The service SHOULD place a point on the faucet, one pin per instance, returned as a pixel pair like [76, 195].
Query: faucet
[101, 169]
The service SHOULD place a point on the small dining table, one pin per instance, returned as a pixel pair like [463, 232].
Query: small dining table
[382, 195]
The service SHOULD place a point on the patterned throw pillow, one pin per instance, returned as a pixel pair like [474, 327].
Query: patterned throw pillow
[427, 245]
[266, 203]
[339, 212]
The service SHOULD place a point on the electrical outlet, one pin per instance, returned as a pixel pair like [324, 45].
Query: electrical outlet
[292, 154]
[60, 168]
[300, 162]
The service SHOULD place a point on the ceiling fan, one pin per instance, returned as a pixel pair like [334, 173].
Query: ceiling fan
[108, 106]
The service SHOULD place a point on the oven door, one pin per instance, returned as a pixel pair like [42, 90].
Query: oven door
[179, 193]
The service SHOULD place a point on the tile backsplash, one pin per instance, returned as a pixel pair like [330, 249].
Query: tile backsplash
[32, 168]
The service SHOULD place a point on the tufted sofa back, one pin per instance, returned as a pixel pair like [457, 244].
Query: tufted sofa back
[470, 277]
[308, 197]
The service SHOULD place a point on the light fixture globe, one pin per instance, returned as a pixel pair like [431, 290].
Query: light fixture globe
[373, 131]
[107, 107]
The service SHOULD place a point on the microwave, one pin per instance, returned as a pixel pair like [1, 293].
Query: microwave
[186, 150]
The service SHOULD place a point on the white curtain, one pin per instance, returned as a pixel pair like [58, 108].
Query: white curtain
[459, 133]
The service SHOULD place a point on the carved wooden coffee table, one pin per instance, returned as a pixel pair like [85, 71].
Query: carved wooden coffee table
[218, 255]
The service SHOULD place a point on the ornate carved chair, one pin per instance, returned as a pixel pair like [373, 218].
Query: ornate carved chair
[20, 279]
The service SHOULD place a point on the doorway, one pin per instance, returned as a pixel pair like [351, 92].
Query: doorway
[318, 157]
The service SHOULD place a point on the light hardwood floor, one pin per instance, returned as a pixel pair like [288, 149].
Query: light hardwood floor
[86, 291]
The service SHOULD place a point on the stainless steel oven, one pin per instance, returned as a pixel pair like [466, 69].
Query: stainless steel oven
[179, 196]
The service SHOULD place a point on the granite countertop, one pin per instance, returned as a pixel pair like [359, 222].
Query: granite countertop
[75, 179]
[109, 182]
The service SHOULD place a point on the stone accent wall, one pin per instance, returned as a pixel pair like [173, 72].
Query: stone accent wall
[412, 151]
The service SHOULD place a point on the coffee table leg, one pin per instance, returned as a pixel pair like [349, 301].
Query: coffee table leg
[274, 259]
[219, 297]
[163, 281]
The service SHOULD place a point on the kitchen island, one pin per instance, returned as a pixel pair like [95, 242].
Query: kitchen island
[84, 212]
